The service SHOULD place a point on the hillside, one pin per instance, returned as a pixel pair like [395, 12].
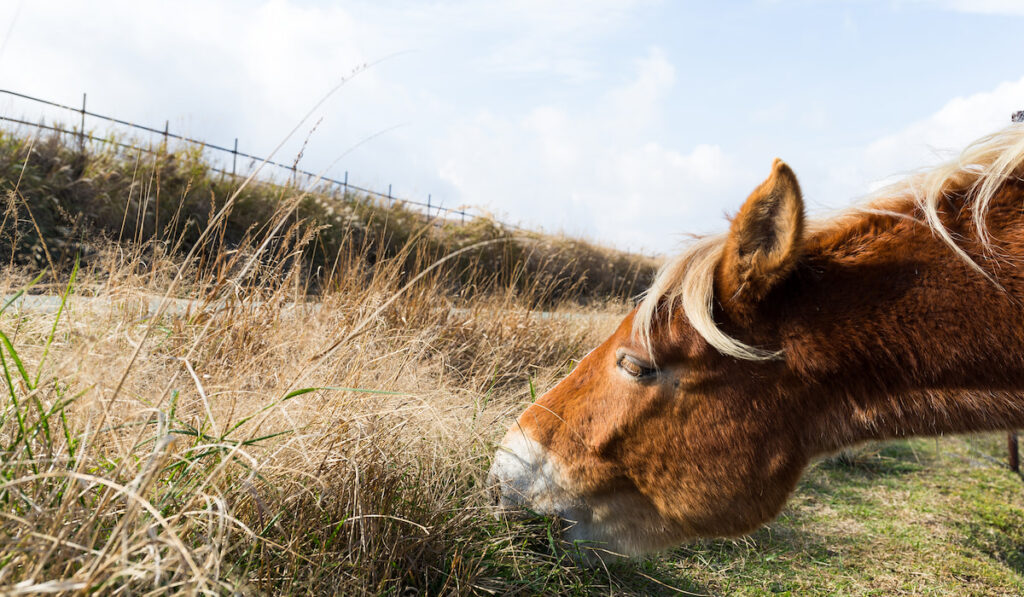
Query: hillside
[72, 204]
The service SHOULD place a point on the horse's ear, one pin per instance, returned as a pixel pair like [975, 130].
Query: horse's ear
[764, 240]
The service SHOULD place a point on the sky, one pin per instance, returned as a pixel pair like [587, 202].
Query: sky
[635, 123]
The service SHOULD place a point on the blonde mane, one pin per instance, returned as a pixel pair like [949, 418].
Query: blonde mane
[980, 170]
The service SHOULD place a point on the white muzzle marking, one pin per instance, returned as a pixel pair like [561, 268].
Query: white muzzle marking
[527, 477]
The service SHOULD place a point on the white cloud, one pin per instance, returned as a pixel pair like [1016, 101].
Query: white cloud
[214, 70]
[547, 37]
[641, 100]
[943, 134]
[842, 174]
[597, 171]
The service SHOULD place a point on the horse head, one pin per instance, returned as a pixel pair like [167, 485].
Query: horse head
[784, 339]
[656, 436]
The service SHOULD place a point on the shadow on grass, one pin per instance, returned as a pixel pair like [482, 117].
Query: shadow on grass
[769, 559]
[871, 462]
[1006, 548]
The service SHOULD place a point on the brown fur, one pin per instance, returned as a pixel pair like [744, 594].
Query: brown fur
[881, 332]
[764, 240]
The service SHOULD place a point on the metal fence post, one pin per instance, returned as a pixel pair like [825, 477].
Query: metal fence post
[390, 200]
[1011, 447]
[81, 131]
[428, 206]
[234, 157]
[167, 130]
[345, 189]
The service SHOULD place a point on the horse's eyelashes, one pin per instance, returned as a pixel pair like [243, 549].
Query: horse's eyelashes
[635, 367]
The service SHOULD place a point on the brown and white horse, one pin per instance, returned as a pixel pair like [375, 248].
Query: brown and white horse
[784, 339]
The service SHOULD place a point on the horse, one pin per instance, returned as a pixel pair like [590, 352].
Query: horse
[780, 341]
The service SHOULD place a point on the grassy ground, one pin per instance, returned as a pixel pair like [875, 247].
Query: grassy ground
[915, 517]
[285, 442]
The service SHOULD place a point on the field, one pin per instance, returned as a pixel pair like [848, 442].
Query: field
[239, 392]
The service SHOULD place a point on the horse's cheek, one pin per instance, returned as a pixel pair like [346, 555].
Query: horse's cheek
[712, 467]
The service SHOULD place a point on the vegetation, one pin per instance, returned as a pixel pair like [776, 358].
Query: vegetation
[166, 199]
[282, 430]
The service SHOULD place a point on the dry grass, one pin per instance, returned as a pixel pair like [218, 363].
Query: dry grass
[227, 455]
[260, 442]
[168, 199]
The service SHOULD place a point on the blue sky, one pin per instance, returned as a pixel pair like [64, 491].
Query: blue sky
[629, 122]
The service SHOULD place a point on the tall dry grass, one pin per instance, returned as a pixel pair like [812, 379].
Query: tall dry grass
[168, 197]
[194, 423]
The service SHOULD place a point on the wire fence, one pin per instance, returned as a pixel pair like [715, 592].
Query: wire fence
[343, 185]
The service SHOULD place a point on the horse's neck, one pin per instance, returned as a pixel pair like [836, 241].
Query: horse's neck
[852, 419]
[900, 337]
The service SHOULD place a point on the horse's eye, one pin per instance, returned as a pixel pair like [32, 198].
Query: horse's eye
[635, 367]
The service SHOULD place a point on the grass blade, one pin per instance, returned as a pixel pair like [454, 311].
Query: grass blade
[56, 320]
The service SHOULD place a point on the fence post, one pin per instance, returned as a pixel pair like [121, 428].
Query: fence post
[81, 131]
[428, 206]
[234, 157]
[167, 130]
[1011, 447]
[390, 200]
[345, 189]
